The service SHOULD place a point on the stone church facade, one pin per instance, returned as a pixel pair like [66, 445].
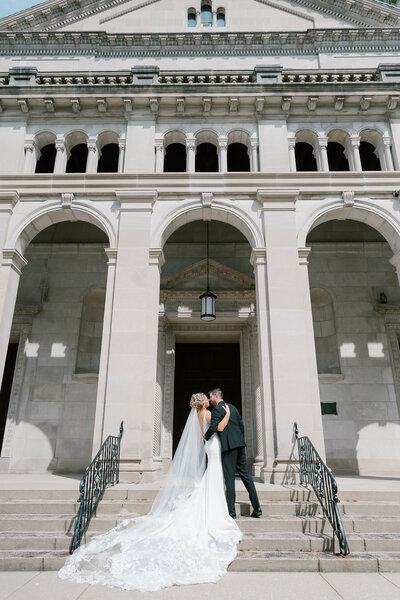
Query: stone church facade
[148, 148]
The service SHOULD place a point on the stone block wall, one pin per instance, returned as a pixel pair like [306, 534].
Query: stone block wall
[364, 436]
[54, 428]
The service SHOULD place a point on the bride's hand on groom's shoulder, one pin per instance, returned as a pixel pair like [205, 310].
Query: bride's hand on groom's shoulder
[227, 410]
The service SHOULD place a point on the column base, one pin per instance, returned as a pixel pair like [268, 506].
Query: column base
[134, 472]
[281, 473]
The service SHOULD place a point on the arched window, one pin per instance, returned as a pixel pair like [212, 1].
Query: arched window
[108, 161]
[206, 13]
[192, 17]
[175, 158]
[45, 163]
[207, 158]
[77, 159]
[90, 332]
[238, 157]
[337, 158]
[369, 159]
[305, 159]
[221, 17]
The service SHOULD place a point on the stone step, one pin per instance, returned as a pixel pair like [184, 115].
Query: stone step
[30, 560]
[260, 541]
[317, 562]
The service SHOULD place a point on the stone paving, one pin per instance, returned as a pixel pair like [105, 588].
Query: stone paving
[234, 586]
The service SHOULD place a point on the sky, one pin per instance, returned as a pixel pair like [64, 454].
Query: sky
[8, 7]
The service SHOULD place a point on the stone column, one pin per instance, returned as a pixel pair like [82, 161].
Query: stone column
[61, 157]
[30, 157]
[292, 155]
[254, 155]
[294, 376]
[132, 362]
[105, 351]
[121, 157]
[387, 144]
[10, 271]
[159, 391]
[257, 404]
[355, 150]
[159, 157]
[223, 155]
[190, 155]
[93, 156]
[323, 152]
[259, 262]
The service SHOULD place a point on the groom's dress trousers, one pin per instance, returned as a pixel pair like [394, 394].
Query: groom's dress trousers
[233, 454]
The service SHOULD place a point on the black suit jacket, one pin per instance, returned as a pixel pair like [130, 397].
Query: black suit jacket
[233, 434]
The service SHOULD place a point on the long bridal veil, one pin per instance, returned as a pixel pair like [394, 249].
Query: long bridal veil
[187, 537]
[186, 470]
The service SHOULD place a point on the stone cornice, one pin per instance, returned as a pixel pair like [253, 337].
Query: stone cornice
[276, 43]
[373, 186]
[61, 13]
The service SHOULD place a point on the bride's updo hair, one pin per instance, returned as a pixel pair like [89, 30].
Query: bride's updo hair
[197, 401]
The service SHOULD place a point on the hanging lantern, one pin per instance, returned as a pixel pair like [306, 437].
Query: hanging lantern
[208, 298]
[208, 306]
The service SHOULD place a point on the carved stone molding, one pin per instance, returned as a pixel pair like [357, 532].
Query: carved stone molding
[66, 200]
[14, 259]
[156, 257]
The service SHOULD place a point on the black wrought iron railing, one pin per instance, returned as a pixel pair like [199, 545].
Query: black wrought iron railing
[102, 472]
[314, 472]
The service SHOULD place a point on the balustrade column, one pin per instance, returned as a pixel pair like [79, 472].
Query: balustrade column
[121, 156]
[93, 156]
[292, 156]
[294, 376]
[254, 156]
[387, 144]
[355, 149]
[159, 157]
[61, 157]
[30, 157]
[190, 156]
[223, 155]
[323, 150]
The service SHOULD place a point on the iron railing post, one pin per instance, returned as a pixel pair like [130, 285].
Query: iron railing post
[314, 472]
[102, 472]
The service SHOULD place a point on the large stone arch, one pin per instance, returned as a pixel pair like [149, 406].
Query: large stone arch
[26, 229]
[217, 212]
[364, 212]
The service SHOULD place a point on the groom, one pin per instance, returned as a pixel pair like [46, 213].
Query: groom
[233, 452]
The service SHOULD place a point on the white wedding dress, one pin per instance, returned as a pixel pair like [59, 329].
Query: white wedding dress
[188, 537]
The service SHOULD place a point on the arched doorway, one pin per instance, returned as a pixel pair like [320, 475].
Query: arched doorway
[354, 294]
[200, 355]
[57, 328]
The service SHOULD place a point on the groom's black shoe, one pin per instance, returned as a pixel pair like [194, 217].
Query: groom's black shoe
[257, 512]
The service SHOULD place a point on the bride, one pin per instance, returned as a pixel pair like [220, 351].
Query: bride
[187, 537]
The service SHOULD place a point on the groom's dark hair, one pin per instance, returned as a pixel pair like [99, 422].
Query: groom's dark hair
[217, 392]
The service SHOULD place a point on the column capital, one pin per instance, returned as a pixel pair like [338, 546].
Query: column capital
[254, 143]
[30, 146]
[8, 199]
[303, 255]
[258, 257]
[156, 257]
[322, 141]
[159, 144]
[122, 143]
[278, 199]
[92, 144]
[387, 141]
[136, 200]
[355, 141]
[14, 259]
[111, 254]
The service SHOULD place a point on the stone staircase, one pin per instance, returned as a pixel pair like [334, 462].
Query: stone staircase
[36, 527]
